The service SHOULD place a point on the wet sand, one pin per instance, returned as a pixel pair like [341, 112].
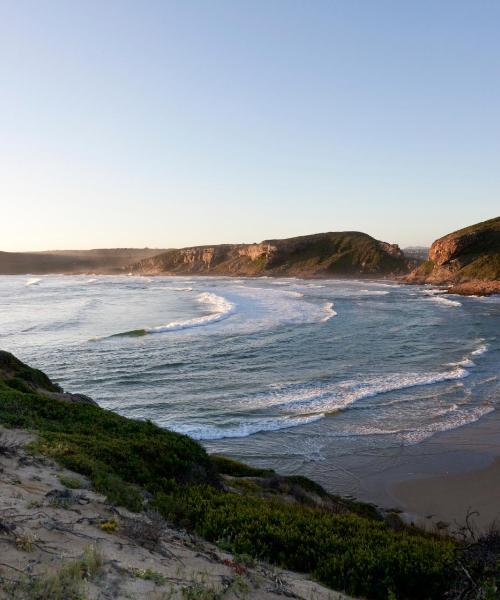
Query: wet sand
[444, 477]
[448, 497]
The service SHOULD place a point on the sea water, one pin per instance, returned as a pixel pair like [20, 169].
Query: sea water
[287, 373]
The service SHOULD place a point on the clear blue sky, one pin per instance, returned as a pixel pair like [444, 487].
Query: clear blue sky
[172, 123]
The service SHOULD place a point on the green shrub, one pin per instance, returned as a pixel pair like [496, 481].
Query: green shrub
[229, 466]
[347, 552]
[72, 483]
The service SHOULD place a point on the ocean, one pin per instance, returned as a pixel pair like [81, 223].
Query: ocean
[296, 375]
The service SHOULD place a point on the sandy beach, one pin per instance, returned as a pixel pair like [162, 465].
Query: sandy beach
[447, 498]
[441, 479]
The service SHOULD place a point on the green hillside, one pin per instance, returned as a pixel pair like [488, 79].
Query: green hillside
[469, 254]
[345, 254]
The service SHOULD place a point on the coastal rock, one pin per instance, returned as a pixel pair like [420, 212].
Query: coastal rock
[341, 254]
[468, 259]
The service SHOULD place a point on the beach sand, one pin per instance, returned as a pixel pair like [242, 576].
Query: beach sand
[447, 498]
[443, 478]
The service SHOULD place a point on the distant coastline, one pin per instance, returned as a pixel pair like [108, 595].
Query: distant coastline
[465, 262]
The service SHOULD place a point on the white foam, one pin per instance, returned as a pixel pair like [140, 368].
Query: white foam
[483, 348]
[307, 404]
[373, 292]
[466, 362]
[446, 301]
[454, 417]
[458, 419]
[33, 281]
[331, 397]
[222, 308]
[263, 308]
[242, 429]
[329, 312]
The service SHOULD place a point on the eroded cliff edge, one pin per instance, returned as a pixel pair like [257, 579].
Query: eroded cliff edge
[468, 260]
[344, 254]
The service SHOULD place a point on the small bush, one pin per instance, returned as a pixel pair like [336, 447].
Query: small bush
[229, 466]
[109, 526]
[149, 575]
[73, 483]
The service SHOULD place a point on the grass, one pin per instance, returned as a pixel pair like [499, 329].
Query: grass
[72, 483]
[149, 575]
[229, 466]
[68, 583]
[355, 552]
[479, 258]
[342, 253]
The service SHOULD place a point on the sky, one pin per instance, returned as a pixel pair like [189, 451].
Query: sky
[176, 123]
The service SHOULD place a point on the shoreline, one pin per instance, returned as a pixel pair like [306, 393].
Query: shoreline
[466, 288]
[436, 483]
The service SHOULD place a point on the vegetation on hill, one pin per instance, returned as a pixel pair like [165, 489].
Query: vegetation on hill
[108, 260]
[469, 254]
[139, 465]
[348, 253]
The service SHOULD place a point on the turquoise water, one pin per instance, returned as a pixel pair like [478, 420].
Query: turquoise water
[281, 372]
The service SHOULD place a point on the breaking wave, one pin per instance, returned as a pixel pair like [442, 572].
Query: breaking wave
[243, 428]
[329, 312]
[445, 301]
[332, 397]
[221, 307]
[455, 417]
[33, 281]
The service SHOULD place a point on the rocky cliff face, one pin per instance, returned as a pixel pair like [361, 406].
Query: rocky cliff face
[464, 256]
[323, 254]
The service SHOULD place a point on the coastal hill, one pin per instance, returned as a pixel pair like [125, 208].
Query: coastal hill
[342, 254]
[103, 261]
[468, 260]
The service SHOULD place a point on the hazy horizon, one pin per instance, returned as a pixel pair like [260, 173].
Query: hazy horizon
[229, 241]
[176, 124]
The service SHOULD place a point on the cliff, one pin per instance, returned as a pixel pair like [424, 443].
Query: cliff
[468, 260]
[341, 254]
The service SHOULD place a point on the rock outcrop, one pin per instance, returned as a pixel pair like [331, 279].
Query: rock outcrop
[341, 254]
[467, 259]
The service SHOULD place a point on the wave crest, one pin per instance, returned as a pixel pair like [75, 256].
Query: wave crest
[221, 307]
